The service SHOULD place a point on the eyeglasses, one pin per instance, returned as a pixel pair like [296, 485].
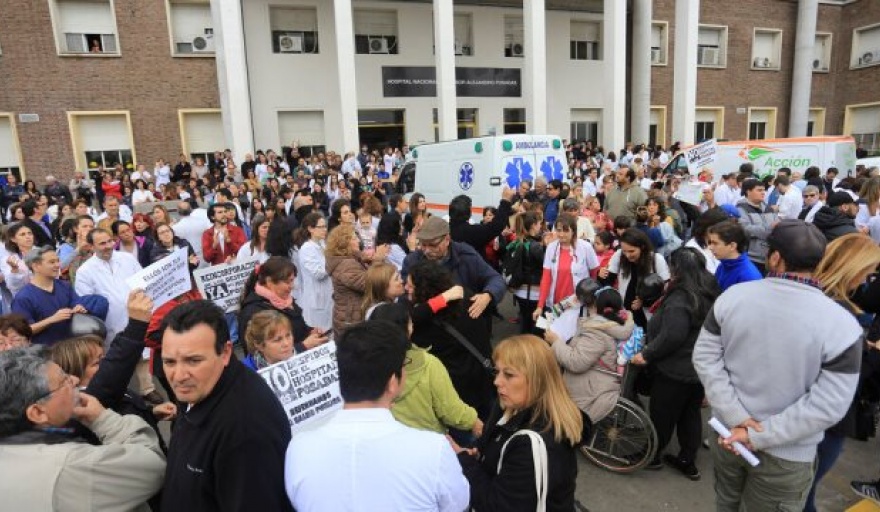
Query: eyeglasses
[320, 226]
[68, 379]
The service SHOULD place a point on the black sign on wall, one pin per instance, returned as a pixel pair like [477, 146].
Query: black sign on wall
[421, 81]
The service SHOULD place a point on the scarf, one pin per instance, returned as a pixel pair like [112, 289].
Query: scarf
[276, 301]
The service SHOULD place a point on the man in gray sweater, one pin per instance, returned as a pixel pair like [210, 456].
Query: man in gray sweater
[780, 363]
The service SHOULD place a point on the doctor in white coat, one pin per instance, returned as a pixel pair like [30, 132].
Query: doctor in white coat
[317, 301]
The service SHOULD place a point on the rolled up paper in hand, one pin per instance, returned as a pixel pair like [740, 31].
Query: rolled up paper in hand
[742, 450]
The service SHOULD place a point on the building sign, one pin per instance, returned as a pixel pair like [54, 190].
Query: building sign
[421, 81]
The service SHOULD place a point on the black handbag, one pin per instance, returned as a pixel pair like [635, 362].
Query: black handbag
[484, 361]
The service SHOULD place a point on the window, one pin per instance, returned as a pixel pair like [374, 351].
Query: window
[657, 127]
[766, 49]
[201, 131]
[709, 123]
[84, 27]
[865, 47]
[9, 148]
[207, 157]
[464, 34]
[584, 43]
[762, 123]
[294, 29]
[192, 29]
[659, 43]
[584, 125]
[514, 120]
[863, 123]
[301, 128]
[375, 32]
[101, 138]
[514, 36]
[466, 121]
[816, 122]
[822, 53]
[712, 46]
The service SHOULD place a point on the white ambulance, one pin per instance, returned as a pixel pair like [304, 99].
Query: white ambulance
[770, 154]
[482, 166]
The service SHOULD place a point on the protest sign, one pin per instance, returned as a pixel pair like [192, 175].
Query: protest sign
[307, 384]
[222, 284]
[165, 279]
[701, 155]
[691, 193]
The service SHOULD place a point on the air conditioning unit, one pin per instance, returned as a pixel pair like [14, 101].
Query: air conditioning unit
[762, 62]
[203, 44]
[459, 48]
[517, 50]
[378, 45]
[655, 55]
[707, 56]
[871, 57]
[291, 43]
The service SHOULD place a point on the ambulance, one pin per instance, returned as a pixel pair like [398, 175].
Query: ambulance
[481, 167]
[771, 154]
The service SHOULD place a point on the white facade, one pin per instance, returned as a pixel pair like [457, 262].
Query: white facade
[291, 82]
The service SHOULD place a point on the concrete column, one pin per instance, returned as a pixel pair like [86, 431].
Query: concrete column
[535, 79]
[232, 77]
[614, 76]
[802, 74]
[444, 59]
[344, 26]
[640, 102]
[684, 91]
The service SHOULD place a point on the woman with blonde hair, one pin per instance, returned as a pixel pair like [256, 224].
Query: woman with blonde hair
[269, 339]
[532, 400]
[348, 271]
[382, 285]
[847, 263]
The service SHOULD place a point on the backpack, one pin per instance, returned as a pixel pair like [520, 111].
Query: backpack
[513, 264]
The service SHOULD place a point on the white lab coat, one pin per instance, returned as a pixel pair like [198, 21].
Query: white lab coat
[317, 299]
[584, 260]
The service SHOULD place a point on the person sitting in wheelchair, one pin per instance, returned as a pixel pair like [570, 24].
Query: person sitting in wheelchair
[589, 359]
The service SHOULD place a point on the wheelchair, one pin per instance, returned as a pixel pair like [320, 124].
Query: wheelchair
[625, 440]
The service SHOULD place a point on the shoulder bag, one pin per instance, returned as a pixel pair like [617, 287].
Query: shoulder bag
[485, 362]
[539, 458]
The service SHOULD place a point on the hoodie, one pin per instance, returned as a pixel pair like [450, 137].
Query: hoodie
[428, 400]
[833, 223]
[736, 270]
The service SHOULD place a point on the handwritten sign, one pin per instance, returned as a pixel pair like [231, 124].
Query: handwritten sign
[701, 155]
[165, 279]
[307, 384]
[222, 284]
[691, 193]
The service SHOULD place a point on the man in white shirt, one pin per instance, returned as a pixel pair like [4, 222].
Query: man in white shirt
[113, 211]
[791, 200]
[727, 192]
[105, 274]
[141, 173]
[362, 458]
[191, 224]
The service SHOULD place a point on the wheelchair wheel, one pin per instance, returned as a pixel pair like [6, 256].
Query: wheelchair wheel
[624, 441]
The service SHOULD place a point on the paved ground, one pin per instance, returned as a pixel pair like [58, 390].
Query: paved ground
[664, 490]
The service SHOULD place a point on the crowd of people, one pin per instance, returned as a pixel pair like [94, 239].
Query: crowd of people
[757, 299]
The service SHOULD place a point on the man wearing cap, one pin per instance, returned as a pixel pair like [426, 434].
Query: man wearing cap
[838, 217]
[466, 264]
[744, 348]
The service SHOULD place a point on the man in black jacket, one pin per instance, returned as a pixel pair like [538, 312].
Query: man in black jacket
[837, 217]
[227, 449]
[478, 235]
[33, 213]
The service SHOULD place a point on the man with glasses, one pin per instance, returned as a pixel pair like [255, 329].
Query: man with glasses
[467, 266]
[43, 467]
[812, 203]
[362, 457]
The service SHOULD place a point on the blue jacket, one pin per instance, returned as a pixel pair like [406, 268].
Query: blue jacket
[737, 270]
[468, 268]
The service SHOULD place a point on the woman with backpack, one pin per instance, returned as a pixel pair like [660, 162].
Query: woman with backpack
[522, 266]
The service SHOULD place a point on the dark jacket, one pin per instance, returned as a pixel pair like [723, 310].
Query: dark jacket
[671, 335]
[468, 268]
[468, 376]
[145, 249]
[833, 223]
[514, 489]
[253, 304]
[478, 235]
[158, 251]
[228, 450]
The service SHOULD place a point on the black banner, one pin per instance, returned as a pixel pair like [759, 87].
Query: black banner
[421, 81]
